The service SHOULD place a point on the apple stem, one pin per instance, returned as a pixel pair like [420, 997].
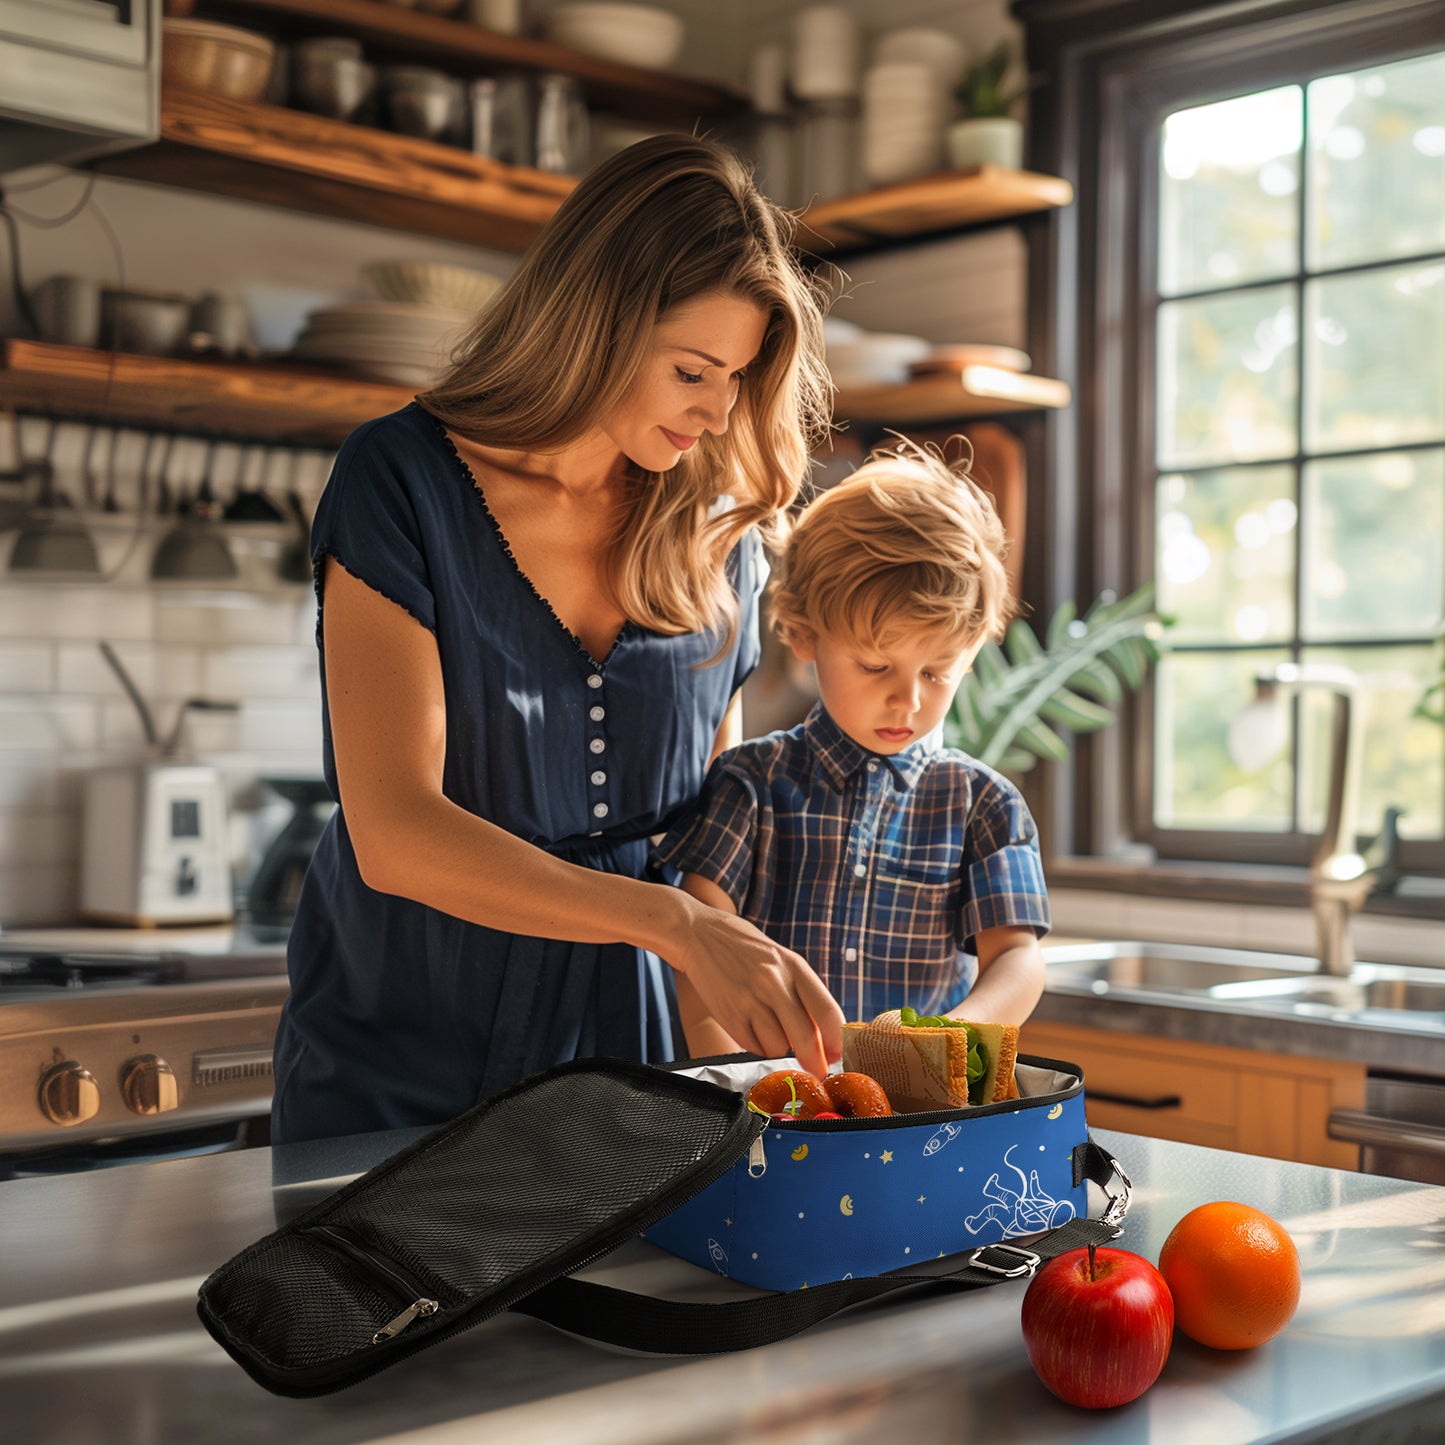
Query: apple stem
[1092, 1277]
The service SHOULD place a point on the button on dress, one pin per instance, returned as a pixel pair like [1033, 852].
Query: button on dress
[401, 1014]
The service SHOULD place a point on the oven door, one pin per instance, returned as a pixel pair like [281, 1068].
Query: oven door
[1400, 1130]
[154, 1148]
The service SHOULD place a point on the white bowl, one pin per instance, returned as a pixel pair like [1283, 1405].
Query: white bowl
[432, 283]
[946, 54]
[875, 358]
[632, 34]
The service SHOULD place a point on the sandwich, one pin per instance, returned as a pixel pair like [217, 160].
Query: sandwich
[936, 1062]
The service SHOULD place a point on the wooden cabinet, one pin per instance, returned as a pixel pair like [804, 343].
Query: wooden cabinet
[1276, 1105]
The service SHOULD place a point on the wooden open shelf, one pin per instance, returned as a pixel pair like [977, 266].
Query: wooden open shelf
[392, 33]
[275, 402]
[976, 391]
[942, 202]
[279, 401]
[310, 163]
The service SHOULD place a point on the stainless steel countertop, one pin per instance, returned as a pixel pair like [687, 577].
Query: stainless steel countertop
[99, 1340]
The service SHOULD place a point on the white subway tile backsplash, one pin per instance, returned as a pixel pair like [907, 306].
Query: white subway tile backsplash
[26, 667]
[47, 724]
[216, 618]
[34, 894]
[36, 836]
[263, 672]
[45, 609]
[32, 784]
[157, 672]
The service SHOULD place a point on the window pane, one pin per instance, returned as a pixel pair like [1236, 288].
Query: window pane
[1227, 378]
[1228, 178]
[1375, 354]
[1377, 163]
[1220, 762]
[1404, 758]
[1225, 554]
[1372, 559]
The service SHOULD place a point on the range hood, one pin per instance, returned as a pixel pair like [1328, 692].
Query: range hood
[78, 78]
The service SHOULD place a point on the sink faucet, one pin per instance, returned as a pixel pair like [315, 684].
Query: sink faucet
[1340, 878]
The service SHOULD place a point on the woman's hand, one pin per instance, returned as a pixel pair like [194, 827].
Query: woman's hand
[764, 995]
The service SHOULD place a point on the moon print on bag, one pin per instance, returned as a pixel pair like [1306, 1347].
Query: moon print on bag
[801, 1152]
[1023, 1212]
[1056, 1111]
[845, 1204]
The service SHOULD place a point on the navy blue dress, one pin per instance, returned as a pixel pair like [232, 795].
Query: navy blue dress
[400, 1014]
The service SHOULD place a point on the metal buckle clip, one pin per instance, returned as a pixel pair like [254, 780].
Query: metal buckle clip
[1031, 1261]
[1118, 1205]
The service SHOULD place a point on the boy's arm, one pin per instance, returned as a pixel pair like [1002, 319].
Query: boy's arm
[1010, 977]
[705, 1036]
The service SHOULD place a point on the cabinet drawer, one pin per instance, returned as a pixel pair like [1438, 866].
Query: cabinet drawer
[1145, 1091]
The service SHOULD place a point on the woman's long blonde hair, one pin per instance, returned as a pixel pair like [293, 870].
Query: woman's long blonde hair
[666, 220]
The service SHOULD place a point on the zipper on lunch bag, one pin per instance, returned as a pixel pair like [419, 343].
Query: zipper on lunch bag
[383, 1271]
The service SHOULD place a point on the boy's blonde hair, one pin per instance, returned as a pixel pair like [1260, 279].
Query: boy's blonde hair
[907, 544]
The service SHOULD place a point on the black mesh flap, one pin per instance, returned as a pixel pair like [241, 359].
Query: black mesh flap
[528, 1186]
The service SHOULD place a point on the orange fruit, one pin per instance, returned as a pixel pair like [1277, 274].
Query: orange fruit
[1234, 1274]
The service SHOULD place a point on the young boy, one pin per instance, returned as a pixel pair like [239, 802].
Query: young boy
[856, 839]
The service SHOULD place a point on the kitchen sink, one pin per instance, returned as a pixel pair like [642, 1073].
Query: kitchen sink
[1245, 978]
[1168, 968]
[1369, 986]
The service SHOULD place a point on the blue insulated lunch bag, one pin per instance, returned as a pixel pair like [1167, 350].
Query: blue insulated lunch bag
[826, 1199]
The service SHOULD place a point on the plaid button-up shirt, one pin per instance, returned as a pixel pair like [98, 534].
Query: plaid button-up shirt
[878, 870]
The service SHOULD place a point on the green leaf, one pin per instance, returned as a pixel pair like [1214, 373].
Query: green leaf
[1020, 643]
[1017, 761]
[1041, 739]
[1098, 681]
[1058, 634]
[990, 666]
[1067, 709]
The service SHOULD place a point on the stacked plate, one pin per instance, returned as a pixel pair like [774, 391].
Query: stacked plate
[904, 117]
[871, 358]
[392, 340]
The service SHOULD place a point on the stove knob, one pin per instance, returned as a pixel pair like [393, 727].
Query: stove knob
[69, 1094]
[149, 1086]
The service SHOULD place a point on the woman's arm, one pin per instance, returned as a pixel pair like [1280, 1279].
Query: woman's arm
[1010, 977]
[388, 726]
[705, 1035]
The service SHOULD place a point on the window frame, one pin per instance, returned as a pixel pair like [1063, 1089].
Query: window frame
[1109, 72]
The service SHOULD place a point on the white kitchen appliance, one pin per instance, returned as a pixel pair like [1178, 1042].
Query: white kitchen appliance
[155, 841]
[155, 846]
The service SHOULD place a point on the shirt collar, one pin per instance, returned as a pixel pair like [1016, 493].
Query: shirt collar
[840, 756]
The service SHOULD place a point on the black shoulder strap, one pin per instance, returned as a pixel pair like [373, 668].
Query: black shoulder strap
[674, 1327]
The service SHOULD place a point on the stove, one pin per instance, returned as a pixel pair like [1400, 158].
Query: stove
[116, 1044]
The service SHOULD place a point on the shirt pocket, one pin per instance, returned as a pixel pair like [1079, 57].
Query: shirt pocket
[912, 925]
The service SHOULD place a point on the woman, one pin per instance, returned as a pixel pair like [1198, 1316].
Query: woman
[538, 596]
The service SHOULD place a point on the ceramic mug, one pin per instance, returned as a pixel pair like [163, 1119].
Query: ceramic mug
[67, 310]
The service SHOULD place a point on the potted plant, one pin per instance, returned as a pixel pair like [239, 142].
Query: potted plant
[1007, 710]
[987, 134]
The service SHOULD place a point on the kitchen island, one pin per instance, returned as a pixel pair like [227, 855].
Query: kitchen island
[100, 1344]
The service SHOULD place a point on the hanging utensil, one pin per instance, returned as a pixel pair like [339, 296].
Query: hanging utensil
[294, 563]
[250, 502]
[49, 541]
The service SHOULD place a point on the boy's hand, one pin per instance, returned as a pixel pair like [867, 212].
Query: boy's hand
[764, 995]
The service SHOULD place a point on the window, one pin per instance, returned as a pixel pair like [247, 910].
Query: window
[1249, 295]
[1300, 443]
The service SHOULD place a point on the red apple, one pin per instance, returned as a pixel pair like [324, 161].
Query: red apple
[1097, 1325]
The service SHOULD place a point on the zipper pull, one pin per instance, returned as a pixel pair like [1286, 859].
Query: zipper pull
[422, 1307]
[757, 1159]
